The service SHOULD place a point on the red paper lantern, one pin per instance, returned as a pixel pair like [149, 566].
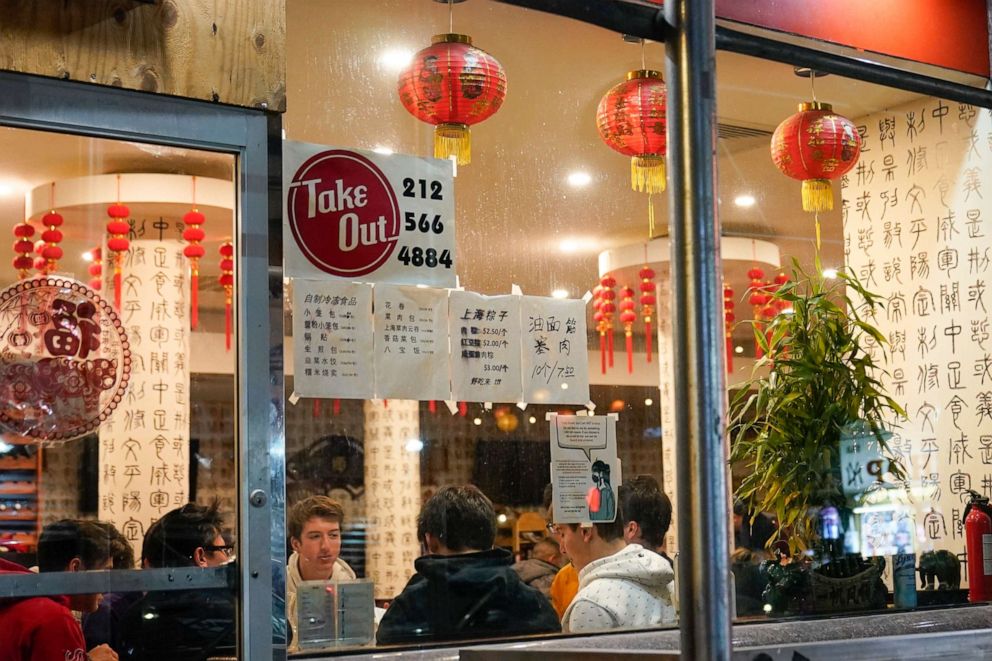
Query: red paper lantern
[816, 145]
[226, 280]
[608, 307]
[648, 300]
[631, 120]
[627, 318]
[96, 268]
[117, 243]
[193, 233]
[728, 325]
[23, 247]
[52, 236]
[452, 85]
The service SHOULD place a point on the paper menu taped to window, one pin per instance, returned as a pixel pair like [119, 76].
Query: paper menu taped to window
[555, 366]
[485, 347]
[411, 343]
[585, 470]
[332, 345]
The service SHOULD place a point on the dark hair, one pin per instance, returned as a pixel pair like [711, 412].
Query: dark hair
[608, 530]
[121, 551]
[172, 540]
[310, 507]
[549, 494]
[64, 540]
[459, 517]
[600, 466]
[643, 501]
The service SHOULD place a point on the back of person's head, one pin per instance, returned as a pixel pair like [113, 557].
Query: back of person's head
[64, 540]
[545, 547]
[172, 540]
[460, 517]
[643, 501]
[313, 506]
[121, 551]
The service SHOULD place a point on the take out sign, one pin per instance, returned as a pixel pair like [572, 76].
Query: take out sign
[368, 217]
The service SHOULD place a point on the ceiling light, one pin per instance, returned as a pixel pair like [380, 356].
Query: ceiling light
[576, 245]
[477, 421]
[501, 518]
[648, 402]
[382, 149]
[744, 200]
[830, 274]
[87, 256]
[395, 58]
[579, 179]
[414, 445]
[559, 293]
[531, 419]
[738, 349]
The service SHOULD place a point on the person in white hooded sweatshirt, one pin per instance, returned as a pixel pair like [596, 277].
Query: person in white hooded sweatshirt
[620, 585]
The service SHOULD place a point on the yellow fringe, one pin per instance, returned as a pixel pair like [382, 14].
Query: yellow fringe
[817, 217]
[650, 216]
[453, 140]
[648, 174]
[817, 195]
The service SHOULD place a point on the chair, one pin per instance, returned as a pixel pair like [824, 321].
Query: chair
[528, 522]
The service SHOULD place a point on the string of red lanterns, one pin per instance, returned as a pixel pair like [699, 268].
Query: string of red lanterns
[51, 252]
[23, 248]
[226, 280]
[193, 233]
[608, 307]
[627, 318]
[728, 325]
[648, 300]
[117, 243]
[96, 268]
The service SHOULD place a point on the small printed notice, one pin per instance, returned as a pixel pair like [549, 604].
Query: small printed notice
[554, 358]
[585, 469]
[332, 346]
[863, 467]
[411, 343]
[485, 347]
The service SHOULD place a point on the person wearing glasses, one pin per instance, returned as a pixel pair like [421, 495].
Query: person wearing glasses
[190, 625]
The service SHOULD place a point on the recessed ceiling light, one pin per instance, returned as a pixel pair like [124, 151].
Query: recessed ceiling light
[744, 200]
[477, 421]
[559, 293]
[578, 179]
[738, 349]
[648, 402]
[6, 188]
[830, 274]
[87, 256]
[501, 518]
[395, 58]
[382, 149]
[531, 419]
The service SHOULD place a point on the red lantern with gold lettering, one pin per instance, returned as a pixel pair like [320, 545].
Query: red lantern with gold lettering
[816, 145]
[631, 120]
[452, 85]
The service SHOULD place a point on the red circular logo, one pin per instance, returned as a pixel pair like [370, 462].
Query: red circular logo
[343, 213]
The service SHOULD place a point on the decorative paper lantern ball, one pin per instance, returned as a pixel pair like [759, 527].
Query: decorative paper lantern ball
[781, 279]
[118, 244]
[23, 263]
[24, 231]
[628, 316]
[631, 120]
[118, 211]
[23, 246]
[646, 273]
[756, 273]
[194, 251]
[757, 298]
[452, 85]
[52, 219]
[118, 227]
[769, 311]
[816, 145]
[506, 421]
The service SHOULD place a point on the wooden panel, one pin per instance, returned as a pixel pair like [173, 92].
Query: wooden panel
[230, 51]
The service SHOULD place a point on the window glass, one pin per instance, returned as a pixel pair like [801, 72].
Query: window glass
[117, 436]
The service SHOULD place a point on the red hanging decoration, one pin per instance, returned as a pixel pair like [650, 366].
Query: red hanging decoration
[627, 318]
[226, 280]
[647, 300]
[462, 409]
[193, 233]
[608, 308]
[40, 263]
[597, 316]
[336, 407]
[96, 268]
[316, 408]
[757, 298]
[432, 406]
[452, 85]
[728, 325]
[118, 230]
[816, 145]
[631, 120]
[52, 236]
[23, 248]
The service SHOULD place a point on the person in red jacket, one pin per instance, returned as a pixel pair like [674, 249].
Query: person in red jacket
[43, 628]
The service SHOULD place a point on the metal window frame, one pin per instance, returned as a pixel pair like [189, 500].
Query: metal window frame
[44, 104]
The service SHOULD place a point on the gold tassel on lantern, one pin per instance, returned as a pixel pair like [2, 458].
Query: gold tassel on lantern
[453, 140]
[647, 174]
[817, 195]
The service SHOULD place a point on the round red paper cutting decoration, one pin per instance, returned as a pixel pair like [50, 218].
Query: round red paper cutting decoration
[65, 360]
[343, 213]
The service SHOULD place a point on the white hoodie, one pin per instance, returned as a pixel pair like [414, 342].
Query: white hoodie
[629, 589]
[341, 572]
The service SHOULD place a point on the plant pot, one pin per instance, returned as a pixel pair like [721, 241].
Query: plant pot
[798, 589]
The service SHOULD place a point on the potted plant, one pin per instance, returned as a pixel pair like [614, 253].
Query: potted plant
[815, 383]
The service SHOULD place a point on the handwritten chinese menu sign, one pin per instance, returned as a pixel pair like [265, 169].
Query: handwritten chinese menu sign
[485, 347]
[65, 359]
[144, 448]
[585, 469]
[411, 343]
[363, 216]
[332, 345]
[917, 214]
[555, 367]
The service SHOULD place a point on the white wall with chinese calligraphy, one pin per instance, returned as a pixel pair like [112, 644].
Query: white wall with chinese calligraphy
[916, 213]
[144, 447]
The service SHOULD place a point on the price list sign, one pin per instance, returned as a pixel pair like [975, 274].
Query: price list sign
[411, 343]
[332, 348]
[555, 367]
[485, 347]
[363, 216]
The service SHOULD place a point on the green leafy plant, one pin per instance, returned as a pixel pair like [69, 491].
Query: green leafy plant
[814, 381]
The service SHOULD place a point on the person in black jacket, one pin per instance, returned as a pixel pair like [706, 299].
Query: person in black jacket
[464, 588]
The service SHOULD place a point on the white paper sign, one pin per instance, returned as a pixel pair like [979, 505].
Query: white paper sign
[485, 347]
[554, 360]
[585, 470]
[411, 343]
[332, 346]
[363, 216]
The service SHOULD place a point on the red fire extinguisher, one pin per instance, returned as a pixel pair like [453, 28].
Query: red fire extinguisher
[978, 533]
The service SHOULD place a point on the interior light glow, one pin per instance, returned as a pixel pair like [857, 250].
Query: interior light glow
[382, 149]
[738, 349]
[477, 421]
[414, 445]
[501, 518]
[395, 59]
[830, 274]
[559, 293]
[531, 419]
[579, 179]
[6, 188]
[744, 201]
[648, 402]
[576, 245]
[87, 256]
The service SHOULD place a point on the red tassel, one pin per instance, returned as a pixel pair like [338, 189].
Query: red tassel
[730, 355]
[432, 406]
[610, 342]
[227, 326]
[630, 354]
[117, 284]
[194, 294]
[602, 352]
[647, 339]
[336, 407]
[462, 409]
[316, 408]
[385, 403]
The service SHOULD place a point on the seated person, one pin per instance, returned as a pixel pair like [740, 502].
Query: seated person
[540, 569]
[44, 627]
[464, 588]
[646, 513]
[183, 624]
[620, 585]
[103, 626]
[315, 534]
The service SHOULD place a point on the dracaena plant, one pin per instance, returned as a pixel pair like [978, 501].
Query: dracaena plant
[815, 380]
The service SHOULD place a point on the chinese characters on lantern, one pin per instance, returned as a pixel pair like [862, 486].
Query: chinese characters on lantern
[485, 347]
[411, 342]
[144, 448]
[554, 350]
